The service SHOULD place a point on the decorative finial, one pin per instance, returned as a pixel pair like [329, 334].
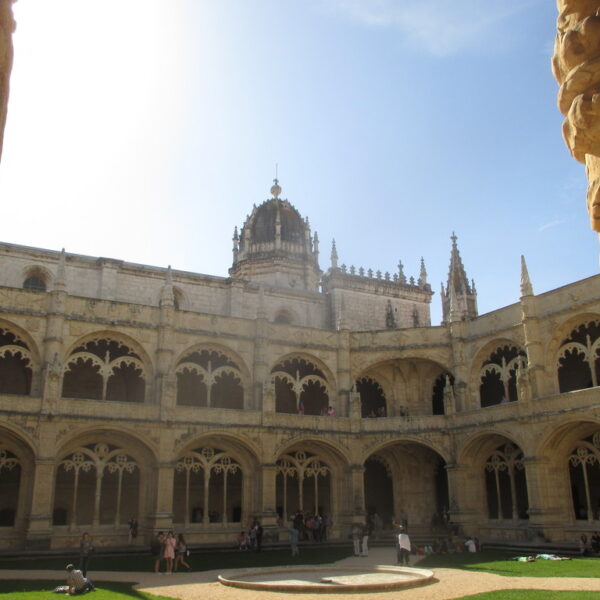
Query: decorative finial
[401, 276]
[276, 188]
[453, 238]
[526, 287]
[423, 274]
[334, 256]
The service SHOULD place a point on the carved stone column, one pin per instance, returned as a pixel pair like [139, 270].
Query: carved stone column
[576, 66]
[7, 27]
[39, 532]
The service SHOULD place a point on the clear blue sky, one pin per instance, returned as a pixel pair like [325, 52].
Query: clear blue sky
[145, 130]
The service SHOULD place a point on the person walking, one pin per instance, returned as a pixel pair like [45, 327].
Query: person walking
[294, 536]
[403, 547]
[356, 533]
[181, 551]
[365, 540]
[86, 549]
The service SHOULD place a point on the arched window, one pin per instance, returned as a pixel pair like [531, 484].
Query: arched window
[207, 487]
[303, 483]
[99, 483]
[372, 398]
[300, 387]
[584, 470]
[104, 369]
[579, 358]
[10, 479]
[34, 283]
[209, 378]
[498, 376]
[15, 365]
[506, 485]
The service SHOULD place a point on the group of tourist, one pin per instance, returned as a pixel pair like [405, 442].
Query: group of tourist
[171, 550]
[325, 412]
[251, 539]
[311, 526]
[588, 547]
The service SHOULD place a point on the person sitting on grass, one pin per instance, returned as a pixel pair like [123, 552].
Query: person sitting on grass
[77, 583]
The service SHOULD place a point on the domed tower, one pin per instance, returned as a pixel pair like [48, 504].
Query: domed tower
[275, 247]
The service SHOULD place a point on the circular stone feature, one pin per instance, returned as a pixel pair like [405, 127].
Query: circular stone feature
[324, 579]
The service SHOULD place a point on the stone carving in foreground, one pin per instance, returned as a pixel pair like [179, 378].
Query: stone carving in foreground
[576, 66]
[7, 27]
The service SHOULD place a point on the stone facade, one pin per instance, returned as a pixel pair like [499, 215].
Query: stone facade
[199, 403]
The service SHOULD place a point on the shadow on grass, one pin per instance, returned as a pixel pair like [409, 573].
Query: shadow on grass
[500, 564]
[199, 561]
[41, 590]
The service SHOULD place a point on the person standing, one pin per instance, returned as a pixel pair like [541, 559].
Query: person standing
[403, 547]
[294, 536]
[169, 551]
[156, 549]
[133, 529]
[86, 549]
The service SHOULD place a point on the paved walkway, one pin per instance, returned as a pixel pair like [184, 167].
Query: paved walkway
[449, 583]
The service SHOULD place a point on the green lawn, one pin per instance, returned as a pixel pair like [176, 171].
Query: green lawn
[496, 562]
[532, 595]
[42, 590]
[199, 561]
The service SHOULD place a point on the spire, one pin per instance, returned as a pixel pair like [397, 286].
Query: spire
[422, 274]
[401, 275]
[453, 312]
[236, 244]
[316, 244]
[334, 256]
[526, 287]
[465, 296]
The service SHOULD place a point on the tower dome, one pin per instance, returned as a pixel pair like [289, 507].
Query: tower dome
[275, 246]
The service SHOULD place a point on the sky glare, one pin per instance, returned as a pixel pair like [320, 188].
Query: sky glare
[145, 130]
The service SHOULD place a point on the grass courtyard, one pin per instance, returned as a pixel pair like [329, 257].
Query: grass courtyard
[489, 562]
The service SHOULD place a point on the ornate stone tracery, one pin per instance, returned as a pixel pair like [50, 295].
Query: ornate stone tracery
[301, 466]
[16, 364]
[300, 387]
[497, 376]
[507, 459]
[587, 456]
[208, 461]
[578, 361]
[101, 458]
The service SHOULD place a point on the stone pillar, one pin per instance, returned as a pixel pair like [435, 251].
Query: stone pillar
[463, 400]
[461, 511]
[260, 366]
[236, 297]
[344, 384]
[268, 504]
[39, 533]
[162, 517]
[165, 378]
[533, 345]
[357, 478]
[107, 284]
[576, 68]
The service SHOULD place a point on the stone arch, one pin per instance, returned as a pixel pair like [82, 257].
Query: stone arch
[575, 353]
[107, 365]
[102, 477]
[36, 278]
[213, 480]
[212, 375]
[408, 383]
[389, 466]
[574, 489]
[493, 372]
[17, 468]
[19, 361]
[303, 384]
[312, 476]
[495, 482]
